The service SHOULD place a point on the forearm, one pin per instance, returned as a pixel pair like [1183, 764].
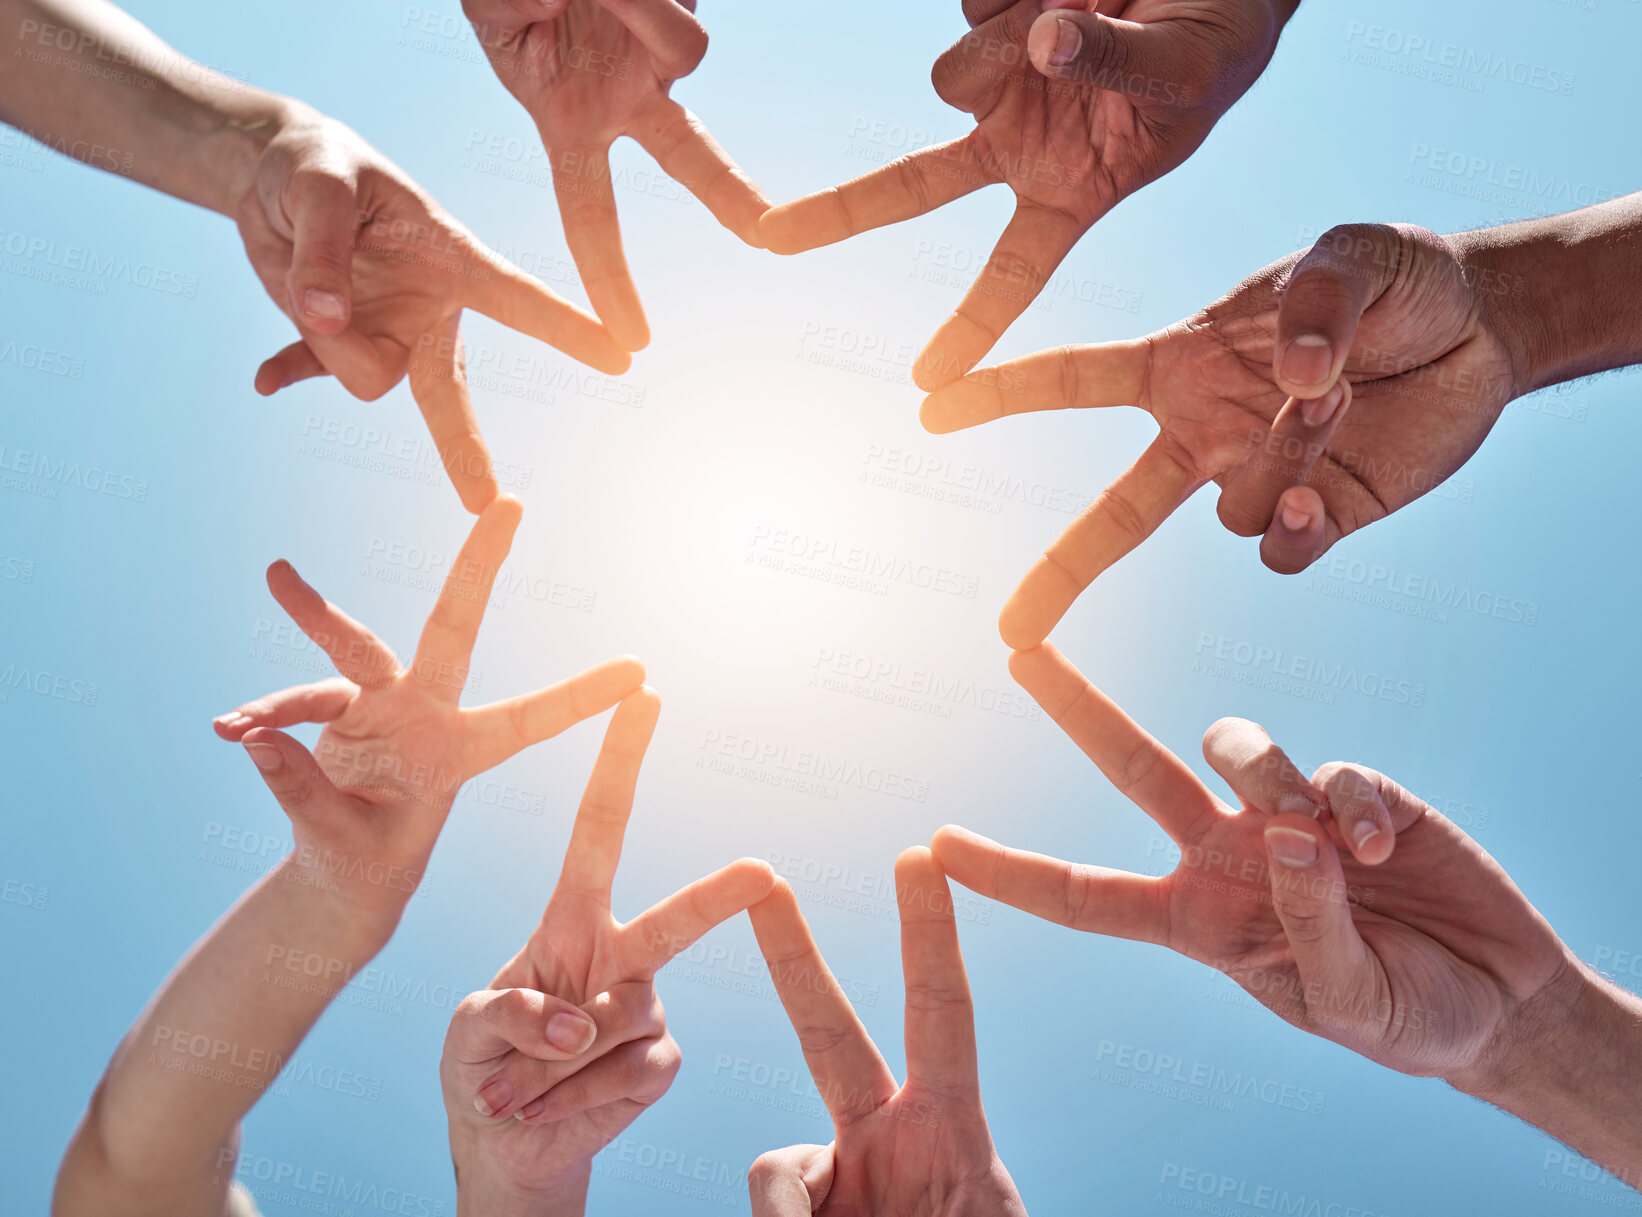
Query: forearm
[1572, 1067]
[88, 80]
[1564, 292]
[212, 1041]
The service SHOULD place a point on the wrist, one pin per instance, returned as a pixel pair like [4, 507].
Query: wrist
[482, 1192]
[363, 914]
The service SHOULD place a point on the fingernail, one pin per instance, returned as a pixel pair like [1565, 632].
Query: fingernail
[1318, 410]
[531, 1109]
[232, 719]
[317, 302]
[571, 1033]
[495, 1096]
[1291, 847]
[1068, 42]
[266, 756]
[1297, 804]
[1295, 519]
[1362, 832]
[1307, 360]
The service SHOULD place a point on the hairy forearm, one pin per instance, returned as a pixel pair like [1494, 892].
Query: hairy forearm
[1570, 1066]
[161, 1125]
[88, 80]
[1565, 291]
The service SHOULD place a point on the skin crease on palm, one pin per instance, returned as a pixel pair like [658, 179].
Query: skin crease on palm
[1138, 94]
[1417, 380]
[589, 72]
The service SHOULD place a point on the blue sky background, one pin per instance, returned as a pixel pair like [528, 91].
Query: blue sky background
[774, 390]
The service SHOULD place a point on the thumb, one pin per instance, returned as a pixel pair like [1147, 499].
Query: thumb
[790, 1182]
[1308, 891]
[490, 1022]
[1138, 59]
[323, 210]
[304, 793]
[1326, 294]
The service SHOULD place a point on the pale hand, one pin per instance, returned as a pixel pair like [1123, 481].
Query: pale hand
[589, 72]
[375, 275]
[571, 1038]
[899, 1150]
[367, 806]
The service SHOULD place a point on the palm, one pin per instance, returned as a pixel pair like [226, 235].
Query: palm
[916, 1156]
[1437, 916]
[583, 76]
[1428, 380]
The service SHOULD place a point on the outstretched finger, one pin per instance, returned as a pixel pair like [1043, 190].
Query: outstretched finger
[595, 841]
[446, 646]
[357, 653]
[506, 294]
[1061, 378]
[1143, 770]
[940, 1016]
[1093, 899]
[1035, 242]
[849, 1073]
[670, 926]
[439, 383]
[909, 186]
[587, 208]
[316, 703]
[692, 158]
[495, 732]
[1121, 517]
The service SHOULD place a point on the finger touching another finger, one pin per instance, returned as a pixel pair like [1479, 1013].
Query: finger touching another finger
[791, 1182]
[587, 208]
[315, 703]
[674, 924]
[438, 382]
[292, 775]
[1369, 808]
[909, 186]
[504, 293]
[323, 210]
[1323, 300]
[493, 1022]
[1121, 517]
[286, 367]
[694, 159]
[1258, 771]
[497, 731]
[640, 1071]
[1285, 458]
[1061, 378]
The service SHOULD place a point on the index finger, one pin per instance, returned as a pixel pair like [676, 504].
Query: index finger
[601, 821]
[849, 1073]
[908, 186]
[587, 209]
[504, 293]
[1062, 378]
[1035, 242]
[1143, 770]
[669, 926]
[691, 157]
[446, 645]
[940, 1017]
[1121, 517]
[439, 383]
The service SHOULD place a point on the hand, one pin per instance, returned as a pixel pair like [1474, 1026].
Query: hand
[1425, 959]
[1252, 393]
[589, 72]
[367, 806]
[899, 1151]
[571, 1038]
[1074, 111]
[375, 276]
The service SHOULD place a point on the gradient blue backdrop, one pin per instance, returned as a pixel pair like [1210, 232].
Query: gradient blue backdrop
[773, 394]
